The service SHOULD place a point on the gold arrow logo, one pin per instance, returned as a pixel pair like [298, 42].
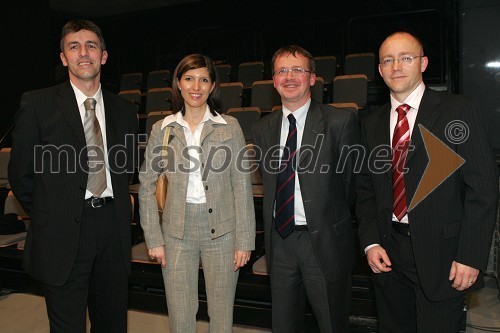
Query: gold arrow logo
[442, 163]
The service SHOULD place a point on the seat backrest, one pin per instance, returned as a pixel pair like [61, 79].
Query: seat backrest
[12, 206]
[133, 95]
[153, 117]
[353, 107]
[4, 163]
[264, 95]
[249, 72]
[246, 117]
[159, 99]
[360, 63]
[318, 90]
[326, 67]
[159, 79]
[224, 72]
[131, 81]
[257, 184]
[231, 95]
[351, 89]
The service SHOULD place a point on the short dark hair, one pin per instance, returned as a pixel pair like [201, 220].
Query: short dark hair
[77, 25]
[189, 62]
[293, 50]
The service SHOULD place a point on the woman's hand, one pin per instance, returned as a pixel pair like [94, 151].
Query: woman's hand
[158, 254]
[240, 259]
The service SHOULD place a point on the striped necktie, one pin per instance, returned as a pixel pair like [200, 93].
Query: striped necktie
[400, 143]
[96, 182]
[284, 217]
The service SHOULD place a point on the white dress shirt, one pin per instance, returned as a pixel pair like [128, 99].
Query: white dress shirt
[195, 190]
[300, 116]
[100, 114]
[413, 100]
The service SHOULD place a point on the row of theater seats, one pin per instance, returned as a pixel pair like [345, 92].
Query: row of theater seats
[327, 67]
[262, 94]
[246, 116]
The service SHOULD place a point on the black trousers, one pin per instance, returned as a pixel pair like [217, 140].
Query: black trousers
[402, 305]
[98, 280]
[295, 275]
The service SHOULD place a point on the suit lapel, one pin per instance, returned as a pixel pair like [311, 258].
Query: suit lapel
[66, 104]
[427, 116]
[111, 114]
[272, 137]
[313, 120]
[382, 135]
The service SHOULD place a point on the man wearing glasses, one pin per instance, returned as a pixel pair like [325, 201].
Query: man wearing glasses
[308, 192]
[425, 254]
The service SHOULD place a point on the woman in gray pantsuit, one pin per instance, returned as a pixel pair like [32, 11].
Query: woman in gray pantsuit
[209, 212]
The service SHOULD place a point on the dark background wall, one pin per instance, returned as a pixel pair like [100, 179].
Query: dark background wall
[26, 53]
[236, 31]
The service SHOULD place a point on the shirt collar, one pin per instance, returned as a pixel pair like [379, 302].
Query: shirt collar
[81, 97]
[178, 118]
[413, 100]
[299, 114]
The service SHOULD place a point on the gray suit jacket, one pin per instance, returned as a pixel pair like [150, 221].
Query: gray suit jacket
[228, 187]
[326, 181]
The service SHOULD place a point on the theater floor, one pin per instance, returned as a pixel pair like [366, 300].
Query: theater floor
[20, 312]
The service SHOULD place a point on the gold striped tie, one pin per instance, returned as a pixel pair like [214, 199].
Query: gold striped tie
[96, 182]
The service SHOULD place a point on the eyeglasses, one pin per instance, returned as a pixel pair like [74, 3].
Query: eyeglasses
[405, 60]
[296, 71]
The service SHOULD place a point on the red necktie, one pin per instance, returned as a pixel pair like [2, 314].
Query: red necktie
[400, 143]
[284, 218]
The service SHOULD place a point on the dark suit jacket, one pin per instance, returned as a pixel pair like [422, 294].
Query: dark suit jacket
[456, 221]
[47, 175]
[327, 193]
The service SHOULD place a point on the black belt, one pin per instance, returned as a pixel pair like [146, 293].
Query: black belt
[98, 202]
[401, 228]
[301, 227]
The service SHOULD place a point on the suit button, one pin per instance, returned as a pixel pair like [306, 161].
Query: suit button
[206, 187]
[83, 188]
[384, 236]
[202, 165]
[212, 231]
[210, 210]
[77, 220]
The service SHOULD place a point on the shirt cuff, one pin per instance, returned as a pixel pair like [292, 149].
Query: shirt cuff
[370, 246]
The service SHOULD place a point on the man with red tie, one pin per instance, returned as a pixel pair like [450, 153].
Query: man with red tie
[427, 255]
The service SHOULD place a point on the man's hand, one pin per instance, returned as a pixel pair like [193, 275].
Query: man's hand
[463, 276]
[378, 260]
[158, 253]
[240, 259]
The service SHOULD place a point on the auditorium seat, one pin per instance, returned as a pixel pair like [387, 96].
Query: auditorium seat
[4, 163]
[264, 95]
[350, 89]
[131, 81]
[249, 72]
[360, 63]
[158, 79]
[246, 117]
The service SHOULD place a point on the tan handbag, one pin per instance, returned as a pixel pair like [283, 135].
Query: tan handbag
[162, 182]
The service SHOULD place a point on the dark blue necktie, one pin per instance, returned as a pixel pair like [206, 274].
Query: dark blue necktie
[284, 216]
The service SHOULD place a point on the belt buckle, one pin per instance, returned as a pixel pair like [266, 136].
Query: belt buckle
[96, 202]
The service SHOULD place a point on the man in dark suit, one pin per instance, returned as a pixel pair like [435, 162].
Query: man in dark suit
[308, 223]
[426, 254]
[72, 155]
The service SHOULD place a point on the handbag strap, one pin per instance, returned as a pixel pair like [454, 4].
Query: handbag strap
[166, 137]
